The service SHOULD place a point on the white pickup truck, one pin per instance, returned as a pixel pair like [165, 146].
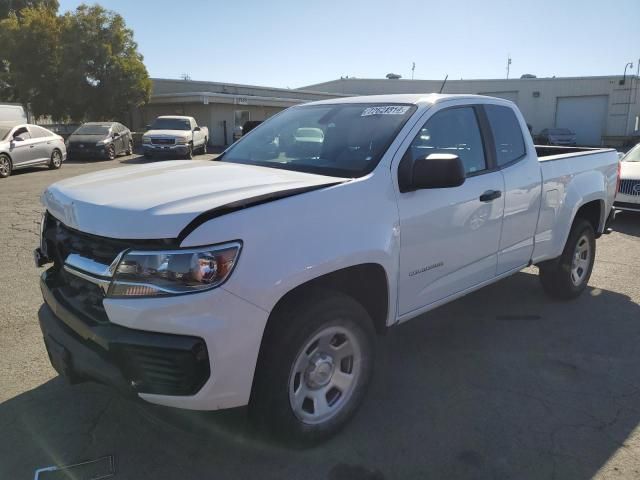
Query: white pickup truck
[175, 135]
[263, 277]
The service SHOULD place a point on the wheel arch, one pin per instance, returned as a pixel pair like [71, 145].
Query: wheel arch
[367, 283]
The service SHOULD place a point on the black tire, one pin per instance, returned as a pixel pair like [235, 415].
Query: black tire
[148, 155]
[6, 167]
[204, 147]
[111, 152]
[189, 154]
[129, 150]
[56, 160]
[283, 348]
[561, 278]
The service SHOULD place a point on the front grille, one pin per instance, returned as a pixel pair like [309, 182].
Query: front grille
[630, 187]
[163, 141]
[84, 297]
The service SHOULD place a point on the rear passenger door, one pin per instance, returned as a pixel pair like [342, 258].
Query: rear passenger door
[449, 236]
[518, 162]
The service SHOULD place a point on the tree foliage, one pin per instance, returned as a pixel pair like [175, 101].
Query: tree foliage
[82, 65]
[16, 6]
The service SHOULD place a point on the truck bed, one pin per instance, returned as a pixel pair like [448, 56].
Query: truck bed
[571, 176]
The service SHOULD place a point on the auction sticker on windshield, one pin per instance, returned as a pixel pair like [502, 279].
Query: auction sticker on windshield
[386, 110]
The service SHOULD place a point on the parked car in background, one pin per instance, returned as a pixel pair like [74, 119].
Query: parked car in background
[100, 140]
[12, 112]
[263, 278]
[175, 135]
[557, 136]
[23, 145]
[628, 197]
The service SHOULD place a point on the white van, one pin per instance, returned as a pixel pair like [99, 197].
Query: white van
[12, 112]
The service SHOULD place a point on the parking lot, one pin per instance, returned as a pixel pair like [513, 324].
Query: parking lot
[504, 383]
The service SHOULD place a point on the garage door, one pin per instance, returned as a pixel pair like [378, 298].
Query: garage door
[584, 115]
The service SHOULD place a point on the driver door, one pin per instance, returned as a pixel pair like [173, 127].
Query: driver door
[449, 237]
[23, 148]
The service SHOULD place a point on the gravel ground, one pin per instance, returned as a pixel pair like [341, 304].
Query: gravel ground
[504, 383]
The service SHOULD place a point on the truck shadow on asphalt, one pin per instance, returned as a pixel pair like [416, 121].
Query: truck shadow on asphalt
[504, 383]
[628, 223]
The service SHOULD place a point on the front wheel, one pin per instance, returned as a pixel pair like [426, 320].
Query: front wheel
[314, 368]
[5, 166]
[111, 152]
[189, 154]
[567, 277]
[56, 160]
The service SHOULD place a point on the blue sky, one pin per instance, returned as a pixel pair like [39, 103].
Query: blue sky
[285, 43]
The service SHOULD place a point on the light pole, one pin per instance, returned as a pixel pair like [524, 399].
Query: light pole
[624, 76]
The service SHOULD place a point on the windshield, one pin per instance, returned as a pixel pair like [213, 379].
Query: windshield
[92, 130]
[171, 124]
[560, 131]
[633, 155]
[343, 140]
[4, 131]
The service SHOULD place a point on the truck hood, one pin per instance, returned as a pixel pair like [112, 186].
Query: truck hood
[159, 200]
[167, 133]
[630, 170]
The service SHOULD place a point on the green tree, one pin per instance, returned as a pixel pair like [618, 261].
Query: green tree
[29, 67]
[104, 75]
[16, 6]
[82, 65]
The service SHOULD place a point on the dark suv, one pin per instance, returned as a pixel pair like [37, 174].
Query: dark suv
[100, 140]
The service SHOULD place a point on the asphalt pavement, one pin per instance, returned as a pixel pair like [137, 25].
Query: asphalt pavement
[502, 384]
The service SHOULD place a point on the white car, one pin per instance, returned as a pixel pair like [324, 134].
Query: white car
[23, 145]
[628, 197]
[262, 278]
[175, 135]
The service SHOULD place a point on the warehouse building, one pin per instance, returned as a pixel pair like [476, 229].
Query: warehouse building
[222, 107]
[600, 110]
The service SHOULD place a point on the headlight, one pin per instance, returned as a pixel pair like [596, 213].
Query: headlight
[173, 272]
[182, 140]
[102, 143]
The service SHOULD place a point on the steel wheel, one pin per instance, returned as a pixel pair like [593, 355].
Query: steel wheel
[5, 166]
[581, 260]
[324, 375]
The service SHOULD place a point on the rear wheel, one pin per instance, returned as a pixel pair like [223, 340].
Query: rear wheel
[314, 368]
[56, 160]
[5, 166]
[129, 148]
[567, 277]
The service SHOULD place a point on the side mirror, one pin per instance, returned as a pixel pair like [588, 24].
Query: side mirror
[18, 138]
[437, 170]
[116, 134]
[197, 129]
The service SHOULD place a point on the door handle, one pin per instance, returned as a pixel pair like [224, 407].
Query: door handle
[31, 146]
[490, 195]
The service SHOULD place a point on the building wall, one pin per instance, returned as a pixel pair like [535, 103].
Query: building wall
[536, 98]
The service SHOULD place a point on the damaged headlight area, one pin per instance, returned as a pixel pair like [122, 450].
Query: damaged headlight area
[173, 272]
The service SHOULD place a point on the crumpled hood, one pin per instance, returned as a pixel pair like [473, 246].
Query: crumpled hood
[158, 200]
[630, 170]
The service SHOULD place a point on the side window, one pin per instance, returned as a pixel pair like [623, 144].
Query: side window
[456, 131]
[23, 133]
[39, 132]
[507, 133]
